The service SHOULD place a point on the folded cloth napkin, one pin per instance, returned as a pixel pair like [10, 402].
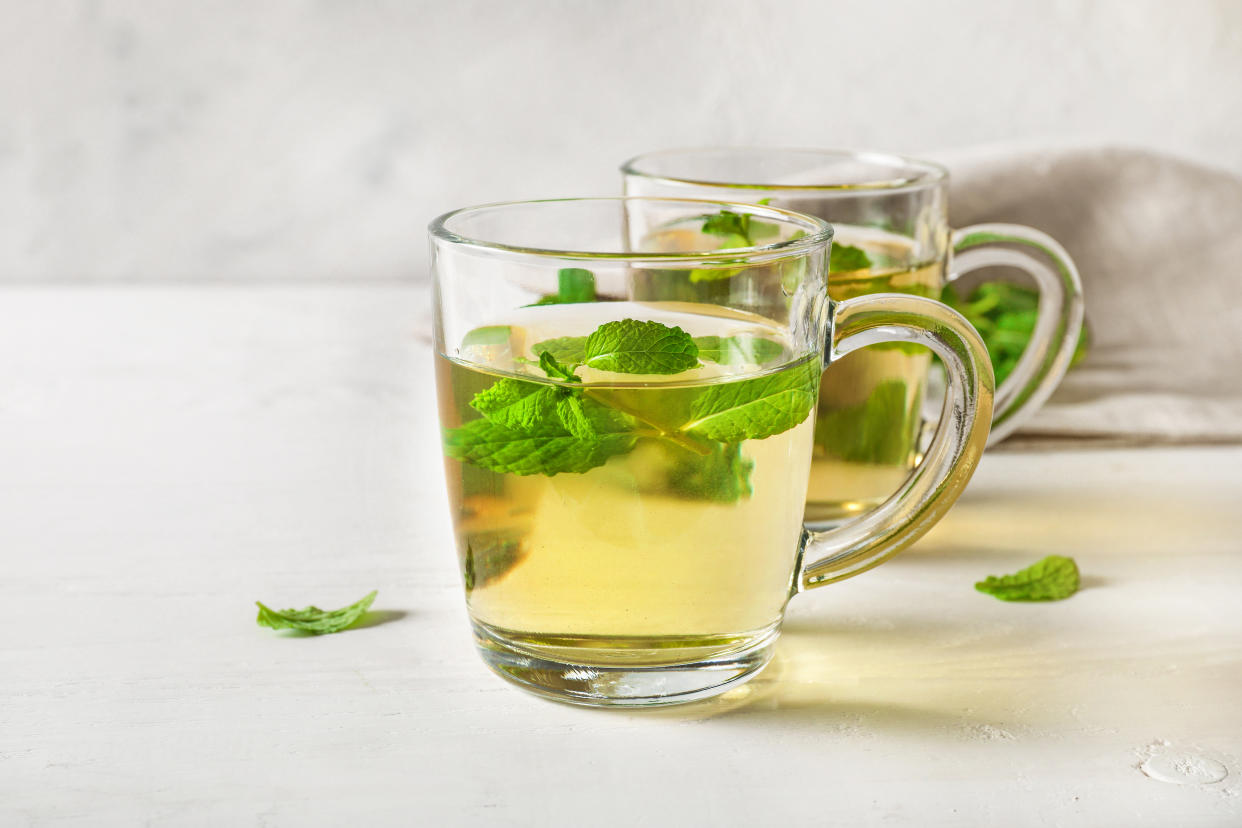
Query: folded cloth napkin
[1158, 241]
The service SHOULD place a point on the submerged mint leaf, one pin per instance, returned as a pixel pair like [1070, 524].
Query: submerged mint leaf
[549, 448]
[845, 257]
[312, 619]
[880, 429]
[753, 409]
[634, 347]
[575, 285]
[489, 558]
[722, 476]
[738, 229]
[571, 349]
[730, 226]
[736, 350]
[1053, 578]
[572, 413]
[714, 273]
[515, 404]
[555, 369]
[490, 335]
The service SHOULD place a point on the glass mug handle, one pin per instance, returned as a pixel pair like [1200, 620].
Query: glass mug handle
[1047, 356]
[950, 458]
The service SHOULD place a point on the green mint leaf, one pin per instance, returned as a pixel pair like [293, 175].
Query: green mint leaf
[487, 559]
[490, 335]
[1005, 314]
[575, 285]
[555, 369]
[846, 257]
[634, 347]
[571, 349]
[312, 619]
[729, 224]
[572, 413]
[549, 448]
[722, 476]
[714, 274]
[738, 350]
[753, 409]
[1053, 578]
[738, 229]
[880, 429]
[515, 404]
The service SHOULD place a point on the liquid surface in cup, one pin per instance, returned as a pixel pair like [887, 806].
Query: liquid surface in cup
[675, 544]
[868, 420]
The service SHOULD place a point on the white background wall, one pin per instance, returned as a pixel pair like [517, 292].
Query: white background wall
[291, 139]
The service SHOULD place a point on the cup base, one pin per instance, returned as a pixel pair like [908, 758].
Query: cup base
[596, 685]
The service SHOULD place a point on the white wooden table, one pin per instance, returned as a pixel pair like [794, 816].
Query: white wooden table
[169, 455]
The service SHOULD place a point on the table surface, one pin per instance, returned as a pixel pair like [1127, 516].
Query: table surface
[169, 455]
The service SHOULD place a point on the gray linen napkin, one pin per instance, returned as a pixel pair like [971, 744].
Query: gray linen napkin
[1158, 241]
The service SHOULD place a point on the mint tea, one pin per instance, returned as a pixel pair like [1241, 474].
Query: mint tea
[627, 478]
[869, 418]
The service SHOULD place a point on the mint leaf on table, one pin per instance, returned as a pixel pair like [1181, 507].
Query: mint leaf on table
[753, 409]
[737, 350]
[634, 347]
[1053, 578]
[575, 285]
[845, 257]
[312, 619]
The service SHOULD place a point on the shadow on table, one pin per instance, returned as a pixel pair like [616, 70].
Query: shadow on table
[911, 675]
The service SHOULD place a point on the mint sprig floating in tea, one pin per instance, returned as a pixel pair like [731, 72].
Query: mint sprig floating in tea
[575, 285]
[1005, 314]
[738, 229]
[744, 349]
[1052, 579]
[532, 427]
[738, 350]
[633, 347]
[312, 619]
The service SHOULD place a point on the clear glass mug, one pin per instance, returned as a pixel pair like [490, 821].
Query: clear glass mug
[890, 216]
[626, 477]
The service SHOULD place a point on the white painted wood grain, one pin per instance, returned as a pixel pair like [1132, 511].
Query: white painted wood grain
[169, 455]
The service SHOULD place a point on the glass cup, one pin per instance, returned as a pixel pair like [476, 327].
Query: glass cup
[626, 477]
[890, 217]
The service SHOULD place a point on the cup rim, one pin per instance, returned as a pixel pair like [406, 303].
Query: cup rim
[927, 173]
[819, 232]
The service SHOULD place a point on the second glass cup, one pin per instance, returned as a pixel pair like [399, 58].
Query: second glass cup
[626, 475]
[890, 216]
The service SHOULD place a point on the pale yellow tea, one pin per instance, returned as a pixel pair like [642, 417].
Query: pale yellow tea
[627, 479]
[868, 421]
